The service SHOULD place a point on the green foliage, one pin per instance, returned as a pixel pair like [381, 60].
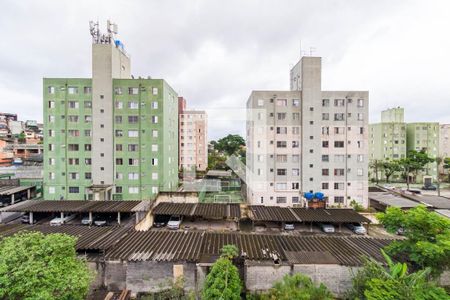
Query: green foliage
[229, 251]
[376, 166]
[230, 144]
[356, 206]
[42, 267]
[374, 282]
[446, 165]
[390, 167]
[222, 282]
[217, 161]
[414, 162]
[295, 287]
[427, 242]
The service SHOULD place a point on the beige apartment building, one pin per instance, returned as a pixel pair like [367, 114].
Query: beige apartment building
[193, 145]
[307, 140]
[444, 143]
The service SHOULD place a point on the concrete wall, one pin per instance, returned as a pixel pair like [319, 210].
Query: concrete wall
[262, 277]
[115, 275]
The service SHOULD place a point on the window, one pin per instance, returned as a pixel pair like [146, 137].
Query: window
[119, 133]
[295, 172]
[325, 144]
[295, 144]
[132, 147]
[155, 119]
[281, 116]
[133, 176]
[154, 161]
[325, 102]
[155, 148]
[87, 147]
[133, 105]
[296, 116]
[133, 91]
[281, 172]
[73, 104]
[325, 172]
[360, 117]
[281, 199]
[51, 147]
[74, 133]
[281, 158]
[338, 172]
[118, 91]
[87, 90]
[295, 185]
[88, 119]
[155, 105]
[133, 190]
[119, 176]
[51, 161]
[119, 161]
[295, 199]
[88, 175]
[51, 90]
[281, 130]
[339, 158]
[281, 102]
[325, 185]
[295, 130]
[296, 102]
[72, 119]
[155, 176]
[339, 102]
[338, 144]
[295, 158]
[118, 119]
[74, 176]
[361, 131]
[51, 104]
[260, 102]
[88, 161]
[119, 147]
[51, 133]
[155, 91]
[338, 199]
[73, 147]
[339, 130]
[325, 158]
[325, 116]
[326, 130]
[360, 158]
[51, 175]
[133, 133]
[281, 144]
[360, 172]
[133, 119]
[74, 189]
[119, 104]
[281, 186]
[338, 185]
[360, 102]
[133, 162]
[339, 117]
[72, 90]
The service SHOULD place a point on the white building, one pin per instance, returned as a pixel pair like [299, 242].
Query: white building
[307, 140]
[444, 143]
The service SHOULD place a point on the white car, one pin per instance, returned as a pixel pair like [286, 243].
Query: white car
[357, 228]
[327, 227]
[60, 221]
[174, 222]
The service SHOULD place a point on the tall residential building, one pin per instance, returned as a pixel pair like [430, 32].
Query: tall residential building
[424, 136]
[387, 140]
[307, 140]
[193, 138]
[444, 143]
[110, 136]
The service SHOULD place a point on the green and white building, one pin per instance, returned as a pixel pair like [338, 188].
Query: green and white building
[110, 136]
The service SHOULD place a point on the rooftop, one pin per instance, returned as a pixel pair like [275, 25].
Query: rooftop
[205, 210]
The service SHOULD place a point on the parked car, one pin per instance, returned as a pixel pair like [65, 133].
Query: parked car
[174, 222]
[357, 228]
[289, 226]
[60, 221]
[160, 221]
[415, 191]
[101, 222]
[430, 187]
[26, 219]
[87, 221]
[327, 227]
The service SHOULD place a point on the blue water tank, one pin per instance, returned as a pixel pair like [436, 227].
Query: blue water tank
[308, 196]
[319, 195]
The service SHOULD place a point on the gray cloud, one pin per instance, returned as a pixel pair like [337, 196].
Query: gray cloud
[215, 53]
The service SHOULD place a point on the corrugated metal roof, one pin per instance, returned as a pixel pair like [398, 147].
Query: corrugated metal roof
[287, 214]
[72, 206]
[9, 190]
[89, 238]
[204, 210]
[163, 245]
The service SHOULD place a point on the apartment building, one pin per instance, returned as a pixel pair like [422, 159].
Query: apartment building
[444, 144]
[387, 140]
[193, 137]
[307, 140]
[110, 136]
[424, 136]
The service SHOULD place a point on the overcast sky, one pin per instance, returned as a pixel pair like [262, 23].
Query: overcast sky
[214, 53]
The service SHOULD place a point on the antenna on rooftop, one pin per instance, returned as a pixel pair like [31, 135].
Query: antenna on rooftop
[311, 50]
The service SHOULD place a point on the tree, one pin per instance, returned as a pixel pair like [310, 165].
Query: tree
[38, 266]
[427, 242]
[296, 287]
[447, 166]
[374, 282]
[375, 165]
[414, 162]
[223, 282]
[230, 144]
[390, 167]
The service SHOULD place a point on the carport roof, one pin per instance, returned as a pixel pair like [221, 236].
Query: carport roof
[164, 245]
[287, 214]
[9, 190]
[73, 206]
[89, 238]
[205, 210]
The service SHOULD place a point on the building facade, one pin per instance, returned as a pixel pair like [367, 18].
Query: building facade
[424, 136]
[444, 144]
[193, 137]
[109, 136]
[307, 140]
